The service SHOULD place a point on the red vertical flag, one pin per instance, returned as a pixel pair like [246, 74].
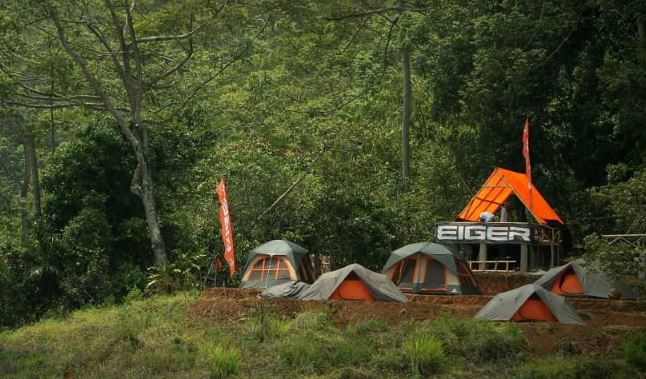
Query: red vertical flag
[528, 166]
[227, 230]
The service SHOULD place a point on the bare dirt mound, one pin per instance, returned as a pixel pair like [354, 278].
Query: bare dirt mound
[238, 305]
[546, 338]
[491, 283]
[607, 321]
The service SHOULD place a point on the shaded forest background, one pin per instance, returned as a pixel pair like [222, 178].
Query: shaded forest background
[99, 99]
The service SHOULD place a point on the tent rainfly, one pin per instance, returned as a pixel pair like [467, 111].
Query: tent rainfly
[353, 282]
[277, 262]
[430, 268]
[530, 302]
[285, 290]
[573, 279]
[502, 184]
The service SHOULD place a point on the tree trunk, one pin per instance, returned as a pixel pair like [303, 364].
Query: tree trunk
[641, 31]
[406, 116]
[32, 162]
[407, 98]
[130, 127]
[24, 191]
[156, 237]
[142, 185]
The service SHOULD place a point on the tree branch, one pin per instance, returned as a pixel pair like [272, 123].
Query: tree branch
[94, 83]
[373, 12]
[300, 179]
[106, 45]
[177, 37]
[373, 84]
[179, 65]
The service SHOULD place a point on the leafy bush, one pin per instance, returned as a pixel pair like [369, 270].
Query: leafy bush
[618, 259]
[426, 354]
[181, 274]
[222, 362]
[633, 349]
[16, 306]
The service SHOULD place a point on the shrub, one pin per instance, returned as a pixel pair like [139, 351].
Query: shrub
[134, 294]
[426, 355]
[633, 349]
[221, 362]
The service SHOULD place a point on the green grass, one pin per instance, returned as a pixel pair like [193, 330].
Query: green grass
[222, 362]
[633, 349]
[426, 354]
[155, 337]
[576, 368]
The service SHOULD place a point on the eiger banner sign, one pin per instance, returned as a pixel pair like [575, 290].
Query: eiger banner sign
[485, 233]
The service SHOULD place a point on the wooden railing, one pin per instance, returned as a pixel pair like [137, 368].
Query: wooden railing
[492, 266]
[634, 240]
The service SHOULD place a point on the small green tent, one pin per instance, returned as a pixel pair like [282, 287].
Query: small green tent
[430, 268]
[277, 262]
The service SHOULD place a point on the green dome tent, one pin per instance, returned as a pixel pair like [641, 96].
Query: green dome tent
[430, 268]
[277, 262]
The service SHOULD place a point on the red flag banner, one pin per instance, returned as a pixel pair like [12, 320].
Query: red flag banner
[528, 166]
[227, 230]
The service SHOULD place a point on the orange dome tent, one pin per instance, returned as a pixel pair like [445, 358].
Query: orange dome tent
[529, 303]
[353, 282]
[574, 279]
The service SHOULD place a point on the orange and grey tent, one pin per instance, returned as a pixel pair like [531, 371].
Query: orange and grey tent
[502, 184]
[530, 302]
[277, 262]
[430, 268]
[573, 279]
[353, 282]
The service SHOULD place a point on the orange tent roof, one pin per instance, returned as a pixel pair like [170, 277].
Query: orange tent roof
[497, 189]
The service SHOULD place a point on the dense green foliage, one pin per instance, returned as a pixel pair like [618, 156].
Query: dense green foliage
[267, 92]
[155, 337]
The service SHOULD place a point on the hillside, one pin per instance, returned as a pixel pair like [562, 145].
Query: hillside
[348, 127]
[173, 337]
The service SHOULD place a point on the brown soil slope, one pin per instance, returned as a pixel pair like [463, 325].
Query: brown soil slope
[607, 321]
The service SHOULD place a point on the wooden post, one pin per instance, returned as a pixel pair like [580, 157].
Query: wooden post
[482, 255]
[524, 257]
[316, 260]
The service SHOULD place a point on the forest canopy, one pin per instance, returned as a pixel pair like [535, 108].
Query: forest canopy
[118, 118]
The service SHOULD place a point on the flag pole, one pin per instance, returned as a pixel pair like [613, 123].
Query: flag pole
[528, 166]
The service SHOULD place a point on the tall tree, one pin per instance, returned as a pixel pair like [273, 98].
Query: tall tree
[406, 106]
[127, 55]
